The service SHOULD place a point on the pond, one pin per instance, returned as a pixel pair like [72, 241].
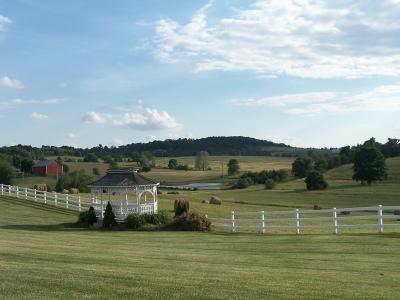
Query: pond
[195, 185]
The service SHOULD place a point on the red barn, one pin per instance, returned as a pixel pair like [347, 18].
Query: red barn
[48, 168]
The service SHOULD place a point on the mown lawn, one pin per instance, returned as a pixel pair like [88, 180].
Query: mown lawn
[44, 256]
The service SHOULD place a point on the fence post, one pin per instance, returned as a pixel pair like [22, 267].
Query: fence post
[297, 221]
[79, 203]
[66, 200]
[45, 196]
[380, 218]
[2, 189]
[55, 198]
[233, 221]
[17, 191]
[26, 193]
[263, 222]
[9, 190]
[335, 223]
[34, 195]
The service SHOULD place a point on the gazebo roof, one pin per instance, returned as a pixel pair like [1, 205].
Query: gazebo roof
[122, 178]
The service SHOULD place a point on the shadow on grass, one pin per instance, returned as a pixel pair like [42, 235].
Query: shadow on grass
[45, 228]
[39, 206]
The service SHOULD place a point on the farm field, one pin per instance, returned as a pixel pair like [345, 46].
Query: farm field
[43, 255]
[163, 174]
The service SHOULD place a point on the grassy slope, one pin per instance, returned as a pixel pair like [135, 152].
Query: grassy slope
[43, 256]
[342, 192]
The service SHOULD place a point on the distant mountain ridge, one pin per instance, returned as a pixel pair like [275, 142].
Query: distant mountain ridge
[216, 145]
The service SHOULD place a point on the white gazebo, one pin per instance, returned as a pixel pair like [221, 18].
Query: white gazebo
[128, 192]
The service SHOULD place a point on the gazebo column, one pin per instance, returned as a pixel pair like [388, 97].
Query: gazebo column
[126, 196]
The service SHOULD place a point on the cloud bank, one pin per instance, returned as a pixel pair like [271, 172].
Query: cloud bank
[301, 38]
[141, 118]
[378, 99]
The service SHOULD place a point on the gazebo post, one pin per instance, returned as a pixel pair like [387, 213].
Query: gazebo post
[126, 196]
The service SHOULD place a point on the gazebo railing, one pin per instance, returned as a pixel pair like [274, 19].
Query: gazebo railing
[121, 211]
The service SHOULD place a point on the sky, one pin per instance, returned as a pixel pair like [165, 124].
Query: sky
[309, 73]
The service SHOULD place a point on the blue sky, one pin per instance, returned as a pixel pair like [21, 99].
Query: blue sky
[303, 72]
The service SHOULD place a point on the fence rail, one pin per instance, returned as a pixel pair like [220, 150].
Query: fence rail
[58, 199]
[121, 210]
[294, 221]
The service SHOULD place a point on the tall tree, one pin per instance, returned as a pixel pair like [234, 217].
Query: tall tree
[201, 161]
[6, 172]
[172, 164]
[369, 165]
[233, 167]
[302, 166]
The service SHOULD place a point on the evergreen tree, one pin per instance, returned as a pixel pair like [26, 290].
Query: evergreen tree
[109, 217]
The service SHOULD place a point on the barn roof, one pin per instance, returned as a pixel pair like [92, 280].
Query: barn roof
[123, 178]
[43, 163]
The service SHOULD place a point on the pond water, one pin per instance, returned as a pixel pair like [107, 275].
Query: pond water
[195, 185]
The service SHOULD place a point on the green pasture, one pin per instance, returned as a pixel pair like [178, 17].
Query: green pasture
[43, 255]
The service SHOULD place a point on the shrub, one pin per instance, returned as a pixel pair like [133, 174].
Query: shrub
[92, 218]
[191, 222]
[160, 218]
[146, 169]
[345, 212]
[135, 221]
[269, 184]
[315, 181]
[109, 217]
[83, 217]
[316, 207]
[243, 183]
[181, 207]
[87, 217]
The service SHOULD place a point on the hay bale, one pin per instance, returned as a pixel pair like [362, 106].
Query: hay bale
[65, 191]
[215, 200]
[73, 191]
[40, 187]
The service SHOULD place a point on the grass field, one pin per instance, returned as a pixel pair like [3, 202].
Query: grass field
[44, 256]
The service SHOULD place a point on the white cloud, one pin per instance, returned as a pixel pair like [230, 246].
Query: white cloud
[148, 119]
[93, 117]
[117, 142]
[139, 117]
[7, 82]
[4, 22]
[39, 117]
[52, 101]
[381, 98]
[71, 135]
[303, 38]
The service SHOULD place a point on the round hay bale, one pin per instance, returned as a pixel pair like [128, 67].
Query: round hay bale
[215, 200]
[74, 191]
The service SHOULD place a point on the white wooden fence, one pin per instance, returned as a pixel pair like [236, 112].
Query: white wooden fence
[121, 210]
[58, 199]
[297, 220]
